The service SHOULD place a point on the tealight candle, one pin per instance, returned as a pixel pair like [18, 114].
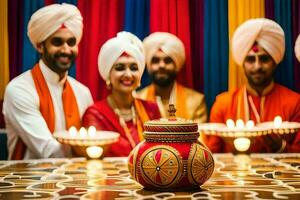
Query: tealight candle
[94, 151]
[92, 131]
[242, 143]
[72, 131]
[240, 123]
[230, 123]
[250, 124]
[277, 121]
[82, 132]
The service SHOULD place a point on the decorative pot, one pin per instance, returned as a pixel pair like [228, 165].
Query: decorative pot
[171, 157]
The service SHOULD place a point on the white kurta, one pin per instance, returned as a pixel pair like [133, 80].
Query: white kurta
[21, 109]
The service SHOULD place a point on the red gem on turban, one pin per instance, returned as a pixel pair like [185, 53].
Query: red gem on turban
[125, 54]
[63, 25]
[255, 47]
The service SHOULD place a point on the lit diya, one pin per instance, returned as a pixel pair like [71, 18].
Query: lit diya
[171, 157]
[241, 133]
[87, 142]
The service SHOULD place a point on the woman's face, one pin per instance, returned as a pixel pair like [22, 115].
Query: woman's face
[124, 75]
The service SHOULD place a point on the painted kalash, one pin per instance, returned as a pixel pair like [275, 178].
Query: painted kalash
[171, 157]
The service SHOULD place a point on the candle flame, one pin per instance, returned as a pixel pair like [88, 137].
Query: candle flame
[230, 123]
[82, 132]
[240, 123]
[277, 121]
[250, 124]
[92, 131]
[72, 131]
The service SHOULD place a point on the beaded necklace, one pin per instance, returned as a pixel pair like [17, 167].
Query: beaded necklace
[122, 120]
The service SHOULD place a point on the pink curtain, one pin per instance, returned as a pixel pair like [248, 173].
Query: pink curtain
[102, 20]
[173, 16]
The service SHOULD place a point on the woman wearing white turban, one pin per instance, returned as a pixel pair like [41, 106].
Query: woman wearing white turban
[258, 45]
[121, 63]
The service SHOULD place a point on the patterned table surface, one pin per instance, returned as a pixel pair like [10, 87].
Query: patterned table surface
[258, 176]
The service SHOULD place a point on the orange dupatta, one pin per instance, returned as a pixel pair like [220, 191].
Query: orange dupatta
[140, 109]
[71, 110]
[180, 98]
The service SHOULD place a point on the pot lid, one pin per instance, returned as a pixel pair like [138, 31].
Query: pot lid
[171, 124]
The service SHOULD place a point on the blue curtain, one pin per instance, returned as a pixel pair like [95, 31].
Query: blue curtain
[285, 70]
[30, 55]
[72, 71]
[137, 22]
[74, 2]
[215, 49]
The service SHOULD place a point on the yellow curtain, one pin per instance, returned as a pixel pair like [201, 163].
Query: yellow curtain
[238, 12]
[4, 59]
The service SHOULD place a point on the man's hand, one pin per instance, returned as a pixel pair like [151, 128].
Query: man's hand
[275, 142]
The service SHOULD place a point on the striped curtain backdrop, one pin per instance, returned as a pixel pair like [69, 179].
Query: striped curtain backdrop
[240, 11]
[204, 26]
[4, 54]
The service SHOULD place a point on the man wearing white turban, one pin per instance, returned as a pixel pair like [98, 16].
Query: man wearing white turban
[165, 56]
[297, 48]
[121, 63]
[258, 45]
[45, 99]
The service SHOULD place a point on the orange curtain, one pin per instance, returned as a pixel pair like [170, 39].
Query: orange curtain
[238, 12]
[4, 59]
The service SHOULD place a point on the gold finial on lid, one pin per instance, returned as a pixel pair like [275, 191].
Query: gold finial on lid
[172, 111]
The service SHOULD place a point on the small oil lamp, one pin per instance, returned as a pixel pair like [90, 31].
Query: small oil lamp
[87, 142]
[94, 152]
[242, 144]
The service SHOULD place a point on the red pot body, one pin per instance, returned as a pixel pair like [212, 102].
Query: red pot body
[177, 165]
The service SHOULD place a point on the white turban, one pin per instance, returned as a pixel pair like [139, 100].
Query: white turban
[169, 44]
[267, 33]
[297, 48]
[113, 48]
[47, 20]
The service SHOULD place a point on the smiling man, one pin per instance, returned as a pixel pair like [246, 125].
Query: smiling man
[258, 46]
[45, 99]
[165, 57]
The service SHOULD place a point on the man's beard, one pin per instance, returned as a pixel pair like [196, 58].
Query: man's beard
[163, 81]
[260, 83]
[52, 62]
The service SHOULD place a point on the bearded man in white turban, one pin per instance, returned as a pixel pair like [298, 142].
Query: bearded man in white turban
[165, 56]
[258, 45]
[121, 63]
[45, 99]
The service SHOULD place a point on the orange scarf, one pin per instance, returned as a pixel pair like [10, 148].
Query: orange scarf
[71, 110]
[243, 106]
[245, 103]
[140, 109]
[180, 99]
